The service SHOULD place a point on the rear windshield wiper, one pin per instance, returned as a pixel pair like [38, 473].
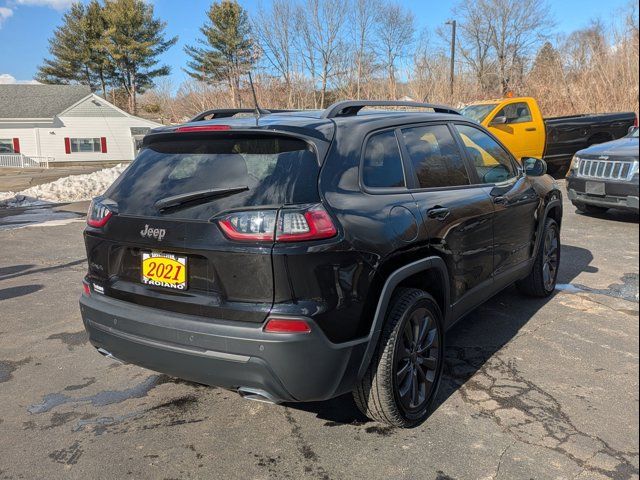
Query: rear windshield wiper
[188, 199]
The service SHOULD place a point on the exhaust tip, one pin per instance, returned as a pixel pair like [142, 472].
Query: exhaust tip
[109, 355]
[257, 395]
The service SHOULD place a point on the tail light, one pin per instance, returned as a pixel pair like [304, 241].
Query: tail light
[286, 325]
[251, 226]
[290, 225]
[635, 121]
[86, 289]
[98, 214]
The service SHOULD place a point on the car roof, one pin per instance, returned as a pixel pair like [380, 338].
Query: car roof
[312, 123]
[499, 100]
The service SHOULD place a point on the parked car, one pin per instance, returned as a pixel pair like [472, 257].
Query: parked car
[605, 176]
[302, 255]
[519, 124]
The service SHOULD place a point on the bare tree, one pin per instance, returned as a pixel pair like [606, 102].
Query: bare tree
[363, 18]
[320, 24]
[475, 39]
[396, 30]
[316, 51]
[275, 32]
[519, 26]
[504, 31]
[159, 102]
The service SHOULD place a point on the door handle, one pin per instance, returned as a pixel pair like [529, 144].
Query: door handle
[500, 200]
[530, 129]
[439, 213]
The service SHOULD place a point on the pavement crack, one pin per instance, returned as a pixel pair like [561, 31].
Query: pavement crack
[527, 412]
[495, 475]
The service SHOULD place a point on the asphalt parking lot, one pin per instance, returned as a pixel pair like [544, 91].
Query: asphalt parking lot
[533, 389]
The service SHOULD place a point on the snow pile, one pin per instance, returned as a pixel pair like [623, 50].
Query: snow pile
[68, 189]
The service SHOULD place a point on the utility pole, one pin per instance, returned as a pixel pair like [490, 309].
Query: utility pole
[453, 24]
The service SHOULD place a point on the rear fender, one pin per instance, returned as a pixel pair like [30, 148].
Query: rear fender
[389, 288]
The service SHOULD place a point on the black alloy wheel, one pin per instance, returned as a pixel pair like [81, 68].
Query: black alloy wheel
[551, 258]
[417, 360]
[401, 383]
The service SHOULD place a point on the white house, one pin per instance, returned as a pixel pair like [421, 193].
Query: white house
[66, 123]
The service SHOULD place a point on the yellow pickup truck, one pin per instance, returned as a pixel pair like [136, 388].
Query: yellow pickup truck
[519, 124]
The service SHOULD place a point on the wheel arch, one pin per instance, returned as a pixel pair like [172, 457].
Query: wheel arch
[429, 271]
[553, 209]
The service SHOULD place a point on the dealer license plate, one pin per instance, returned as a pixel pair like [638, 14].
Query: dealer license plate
[164, 270]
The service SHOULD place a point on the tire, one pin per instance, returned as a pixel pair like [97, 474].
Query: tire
[541, 282]
[592, 209]
[382, 394]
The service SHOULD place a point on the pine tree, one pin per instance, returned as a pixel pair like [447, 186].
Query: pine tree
[95, 25]
[133, 41]
[547, 59]
[227, 50]
[71, 50]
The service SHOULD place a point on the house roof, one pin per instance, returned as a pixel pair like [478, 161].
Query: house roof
[38, 101]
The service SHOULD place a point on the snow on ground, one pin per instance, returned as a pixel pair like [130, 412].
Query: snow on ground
[68, 189]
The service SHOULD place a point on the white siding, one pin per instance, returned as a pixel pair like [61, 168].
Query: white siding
[27, 134]
[115, 129]
[93, 107]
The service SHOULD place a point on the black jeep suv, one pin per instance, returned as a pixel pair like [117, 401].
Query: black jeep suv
[297, 256]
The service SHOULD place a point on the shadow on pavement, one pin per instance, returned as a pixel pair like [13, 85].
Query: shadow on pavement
[622, 216]
[471, 342]
[14, 269]
[13, 292]
[27, 271]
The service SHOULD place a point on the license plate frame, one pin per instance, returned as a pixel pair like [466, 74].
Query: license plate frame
[170, 277]
[595, 188]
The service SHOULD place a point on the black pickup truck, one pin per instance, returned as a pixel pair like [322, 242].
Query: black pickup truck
[519, 124]
[567, 135]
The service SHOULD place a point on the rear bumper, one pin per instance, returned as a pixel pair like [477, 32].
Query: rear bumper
[286, 367]
[622, 195]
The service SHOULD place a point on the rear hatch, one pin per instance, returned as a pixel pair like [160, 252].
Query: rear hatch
[165, 209]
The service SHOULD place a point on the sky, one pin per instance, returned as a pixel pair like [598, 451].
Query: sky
[26, 26]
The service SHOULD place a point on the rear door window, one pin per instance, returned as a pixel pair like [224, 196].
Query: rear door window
[275, 170]
[382, 165]
[435, 156]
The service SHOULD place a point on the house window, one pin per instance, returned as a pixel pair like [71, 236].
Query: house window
[6, 145]
[82, 145]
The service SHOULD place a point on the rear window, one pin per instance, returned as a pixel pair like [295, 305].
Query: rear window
[275, 170]
[382, 162]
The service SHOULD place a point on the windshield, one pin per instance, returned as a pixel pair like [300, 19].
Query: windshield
[478, 112]
[250, 170]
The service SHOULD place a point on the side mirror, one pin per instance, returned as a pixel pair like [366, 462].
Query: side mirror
[501, 120]
[534, 167]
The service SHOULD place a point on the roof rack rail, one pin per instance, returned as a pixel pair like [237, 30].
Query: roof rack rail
[230, 112]
[349, 108]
